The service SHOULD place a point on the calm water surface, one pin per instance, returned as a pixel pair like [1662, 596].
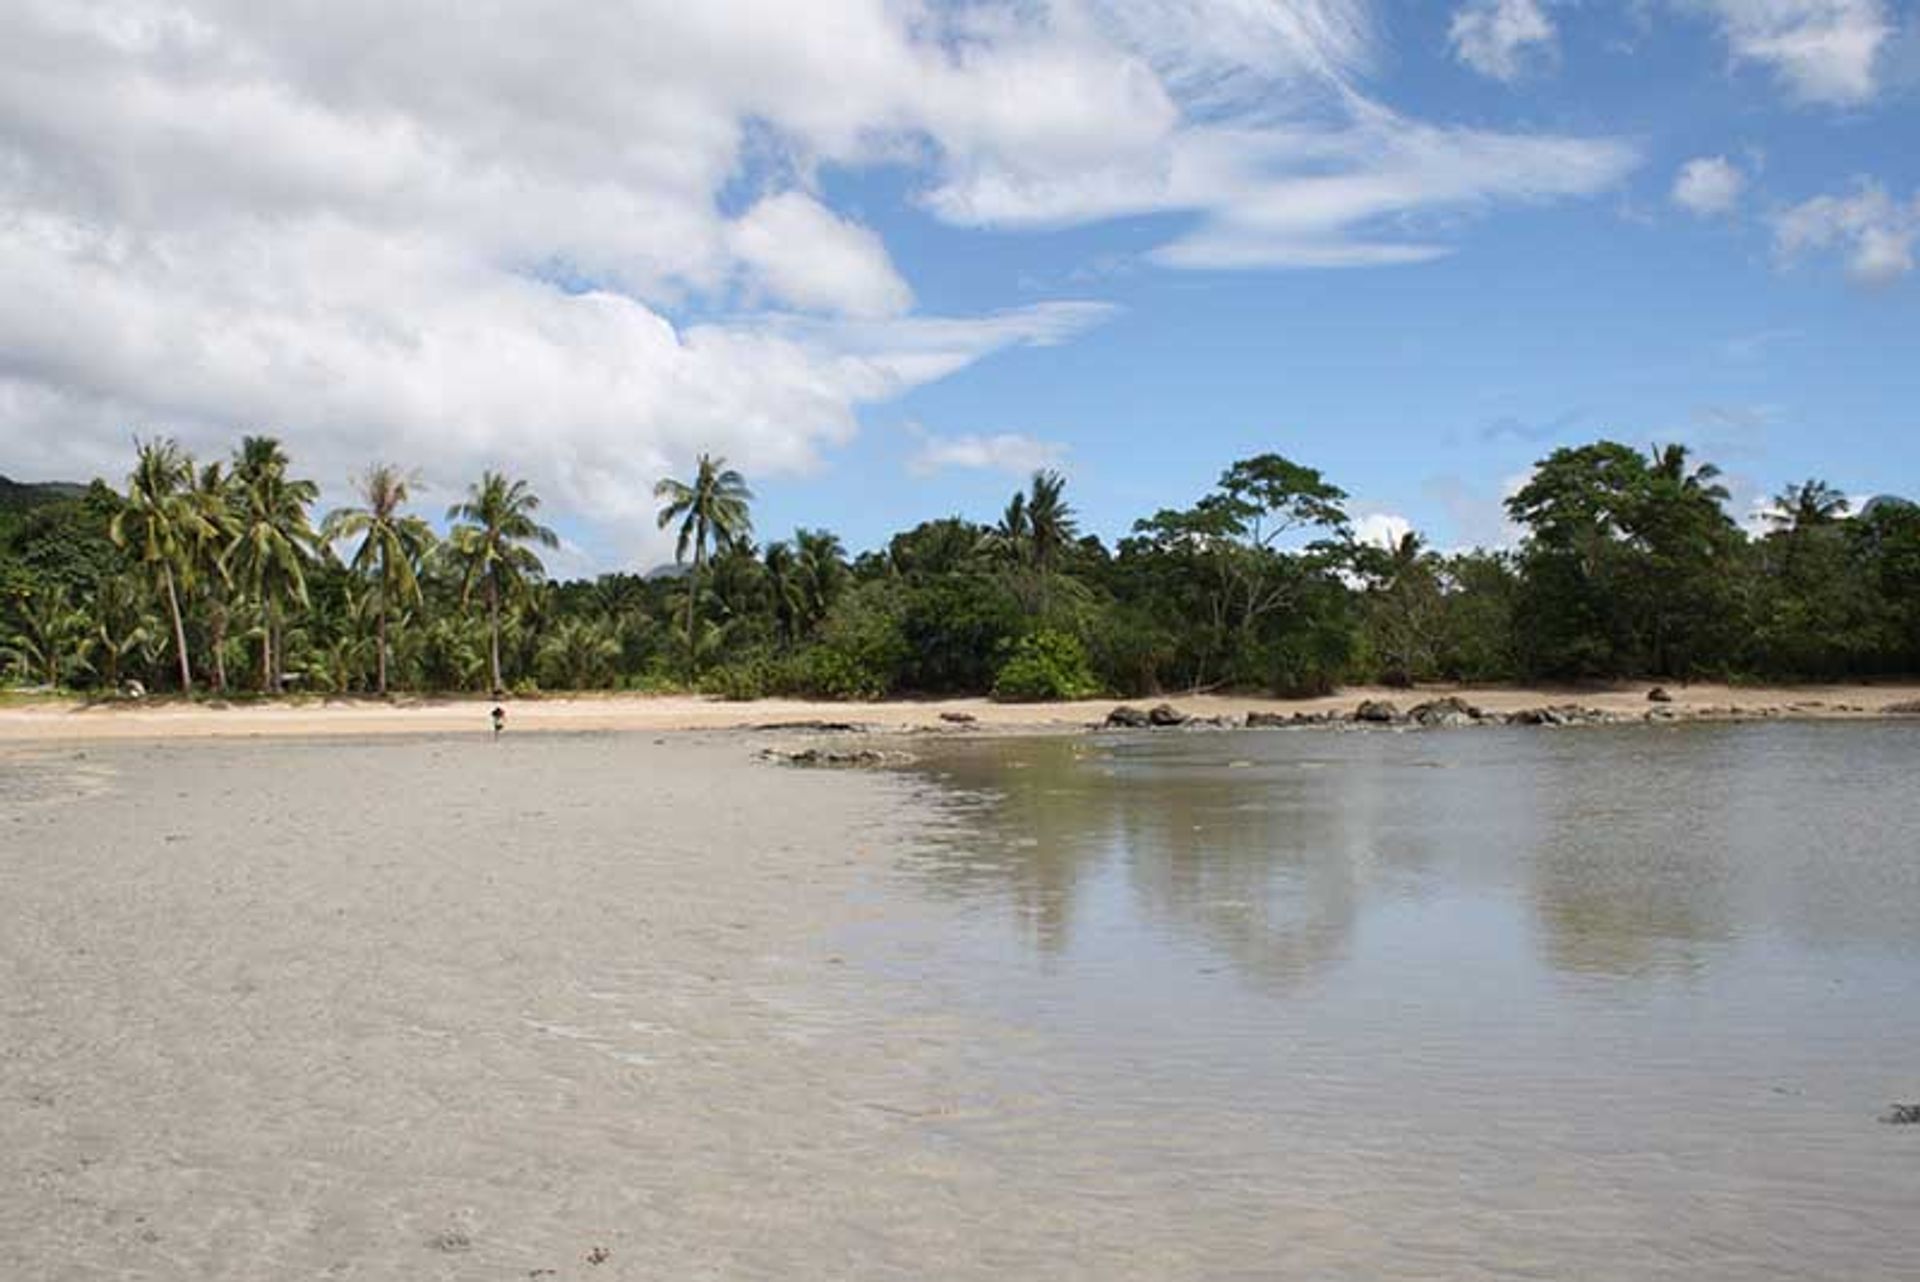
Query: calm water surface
[1619, 1003]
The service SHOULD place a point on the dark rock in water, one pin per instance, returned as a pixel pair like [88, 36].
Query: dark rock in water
[813, 727]
[1267, 720]
[1659, 695]
[1165, 714]
[959, 718]
[1902, 1115]
[1128, 718]
[1449, 711]
[833, 757]
[1559, 714]
[1908, 708]
[1378, 712]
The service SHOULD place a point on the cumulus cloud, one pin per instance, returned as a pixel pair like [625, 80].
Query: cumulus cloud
[1011, 452]
[1381, 529]
[1824, 51]
[1502, 39]
[1709, 186]
[1871, 231]
[523, 241]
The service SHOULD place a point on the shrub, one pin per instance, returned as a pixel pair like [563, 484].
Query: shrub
[1045, 665]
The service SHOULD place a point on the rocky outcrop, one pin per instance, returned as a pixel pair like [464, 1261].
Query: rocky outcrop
[1378, 712]
[1906, 708]
[1448, 711]
[1902, 1115]
[834, 757]
[1127, 717]
[1659, 695]
[1165, 714]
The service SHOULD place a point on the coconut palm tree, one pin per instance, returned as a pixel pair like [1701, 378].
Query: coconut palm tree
[160, 524]
[785, 589]
[392, 546]
[821, 565]
[274, 541]
[712, 510]
[493, 526]
[117, 625]
[217, 499]
[1807, 506]
[1669, 463]
[49, 639]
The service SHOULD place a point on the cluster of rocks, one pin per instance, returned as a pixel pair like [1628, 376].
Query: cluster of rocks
[844, 757]
[1442, 713]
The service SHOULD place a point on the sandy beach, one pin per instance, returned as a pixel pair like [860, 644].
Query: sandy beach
[48, 720]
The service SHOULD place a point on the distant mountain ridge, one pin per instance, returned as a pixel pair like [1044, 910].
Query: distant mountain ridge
[21, 495]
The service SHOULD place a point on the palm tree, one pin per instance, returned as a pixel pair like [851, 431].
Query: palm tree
[392, 546]
[1669, 463]
[217, 499]
[1034, 534]
[821, 563]
[159, 524]
[711, 510]
[785, 588]
[492, 527]
[49, 636]
[117, 624]
[274, 540]
[1807, 506]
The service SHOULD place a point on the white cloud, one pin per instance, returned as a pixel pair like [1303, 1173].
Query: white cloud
[1709, 186]
[1872, 231]
[1010, 452]
[1381, 529]
[806, 256]
[1825, 51]
[517, 242]
[1502, 39]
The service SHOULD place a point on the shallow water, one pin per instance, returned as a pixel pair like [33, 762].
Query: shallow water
[1478, 1004]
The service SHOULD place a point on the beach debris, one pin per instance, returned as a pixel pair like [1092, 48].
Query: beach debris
[834, 757]
[812, 727]
[1165, 714]
[1902, 1115]
[132, 689]
[1378, 712]
[1905, 708]
[1450, 710]
[1127, 717]
[599, 1255]
[452, 1241]
[959, 718]
[1659, 695]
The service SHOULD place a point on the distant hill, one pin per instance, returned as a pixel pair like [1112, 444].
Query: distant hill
[18, 496]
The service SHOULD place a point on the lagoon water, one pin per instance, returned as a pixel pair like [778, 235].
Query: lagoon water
[1598, 1003]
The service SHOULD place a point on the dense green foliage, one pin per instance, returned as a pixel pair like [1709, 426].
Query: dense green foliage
[219, 577]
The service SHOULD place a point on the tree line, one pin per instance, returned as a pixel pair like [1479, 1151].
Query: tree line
[219, 576]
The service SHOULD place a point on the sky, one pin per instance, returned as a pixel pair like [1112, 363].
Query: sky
[890, 257]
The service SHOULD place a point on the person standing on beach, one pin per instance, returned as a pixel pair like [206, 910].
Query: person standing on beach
[499, 715]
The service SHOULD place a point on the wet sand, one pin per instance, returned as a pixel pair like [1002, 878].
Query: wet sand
[625, 1006]
[53, 720]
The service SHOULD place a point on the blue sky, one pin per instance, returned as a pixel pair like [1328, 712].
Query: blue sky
[889, 258]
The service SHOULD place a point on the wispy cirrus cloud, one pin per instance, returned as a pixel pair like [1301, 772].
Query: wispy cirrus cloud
[1015, 453]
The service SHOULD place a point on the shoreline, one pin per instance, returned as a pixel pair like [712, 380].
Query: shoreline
[56, 720]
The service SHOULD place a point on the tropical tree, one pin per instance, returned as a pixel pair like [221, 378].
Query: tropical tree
[393, 545]
[159, 525]
[274, 541]
[49, 640]
[820, 564]
[580, 654]
[711, 510]
[116, 625]
[785, 591]
[1810, 505]
[489, 541]
[218, 501]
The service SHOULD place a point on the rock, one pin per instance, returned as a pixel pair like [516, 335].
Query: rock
[1906, 708]
[1268, 720]
[133, 689]
[1378, 712]
[813, 727]
[959, 718]
[1902, 1115]
[1559, 714]
[1127, 717]
[1165, 714]
[1448, 711]
[1659, 695]
[833, 757]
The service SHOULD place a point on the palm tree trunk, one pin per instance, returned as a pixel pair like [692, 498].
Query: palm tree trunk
[693, 595]
[383, 648]
[266, 655]
[493, 614]
[218, 637]
[179, 629]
